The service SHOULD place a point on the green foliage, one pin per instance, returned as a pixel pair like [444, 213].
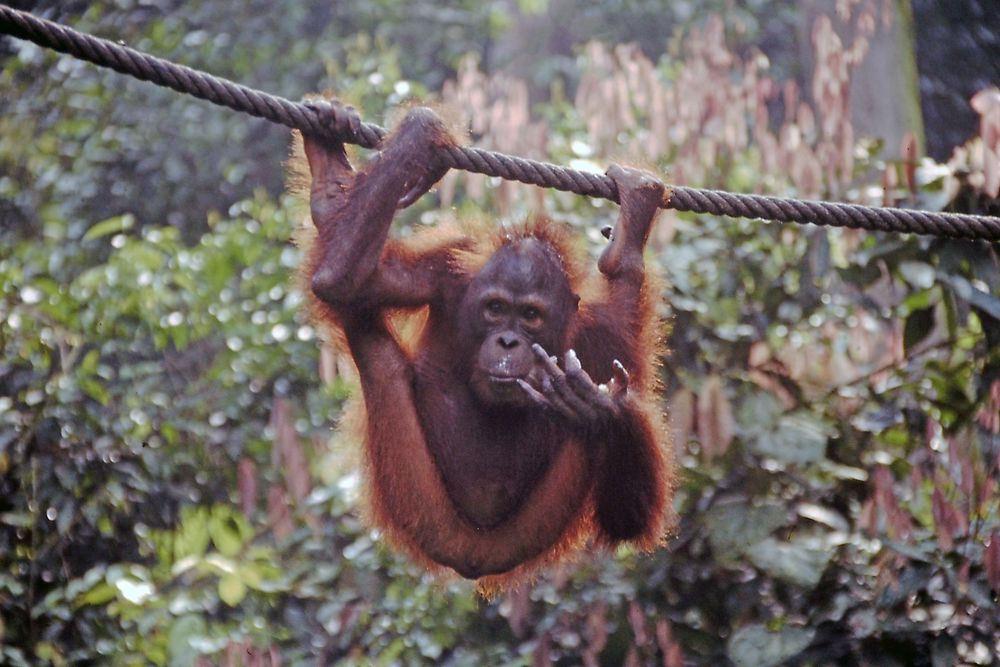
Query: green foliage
[169, 492]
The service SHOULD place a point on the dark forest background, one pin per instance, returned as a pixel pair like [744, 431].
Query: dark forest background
[171, 491]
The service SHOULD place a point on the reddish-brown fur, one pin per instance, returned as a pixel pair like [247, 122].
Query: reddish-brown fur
[586, 491]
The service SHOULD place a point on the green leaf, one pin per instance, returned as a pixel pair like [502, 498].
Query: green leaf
[533, 6]
[919, 300]
[756, 646]
[800, 439]
[98, 595]
[228, 533]
[186, 629]
[143, 255]
[232, 590]
[11, 585]
[251, 576]
[95, 390]
[88, 365]
[918, 274]
[114, 225]
[192, 537]
[759, 412]
[918, 326]
[799, 562]
[973, 295]
[17, 519]
[733, 526]
[47, 653]
[824, 515]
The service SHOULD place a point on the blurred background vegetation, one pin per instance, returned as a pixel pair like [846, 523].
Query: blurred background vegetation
[170, 490]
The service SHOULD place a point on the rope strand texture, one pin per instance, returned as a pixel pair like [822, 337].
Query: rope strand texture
[291, 114]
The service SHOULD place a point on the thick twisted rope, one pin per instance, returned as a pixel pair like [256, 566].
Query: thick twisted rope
[296, 115]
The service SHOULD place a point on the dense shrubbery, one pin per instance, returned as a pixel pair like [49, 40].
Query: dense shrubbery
[168, 487]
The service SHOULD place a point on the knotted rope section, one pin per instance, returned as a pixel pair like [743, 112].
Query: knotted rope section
[285, 112]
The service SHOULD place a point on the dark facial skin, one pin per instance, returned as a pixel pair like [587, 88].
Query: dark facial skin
[520, 298]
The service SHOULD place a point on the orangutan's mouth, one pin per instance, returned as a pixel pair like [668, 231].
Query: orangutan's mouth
[504, 379]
